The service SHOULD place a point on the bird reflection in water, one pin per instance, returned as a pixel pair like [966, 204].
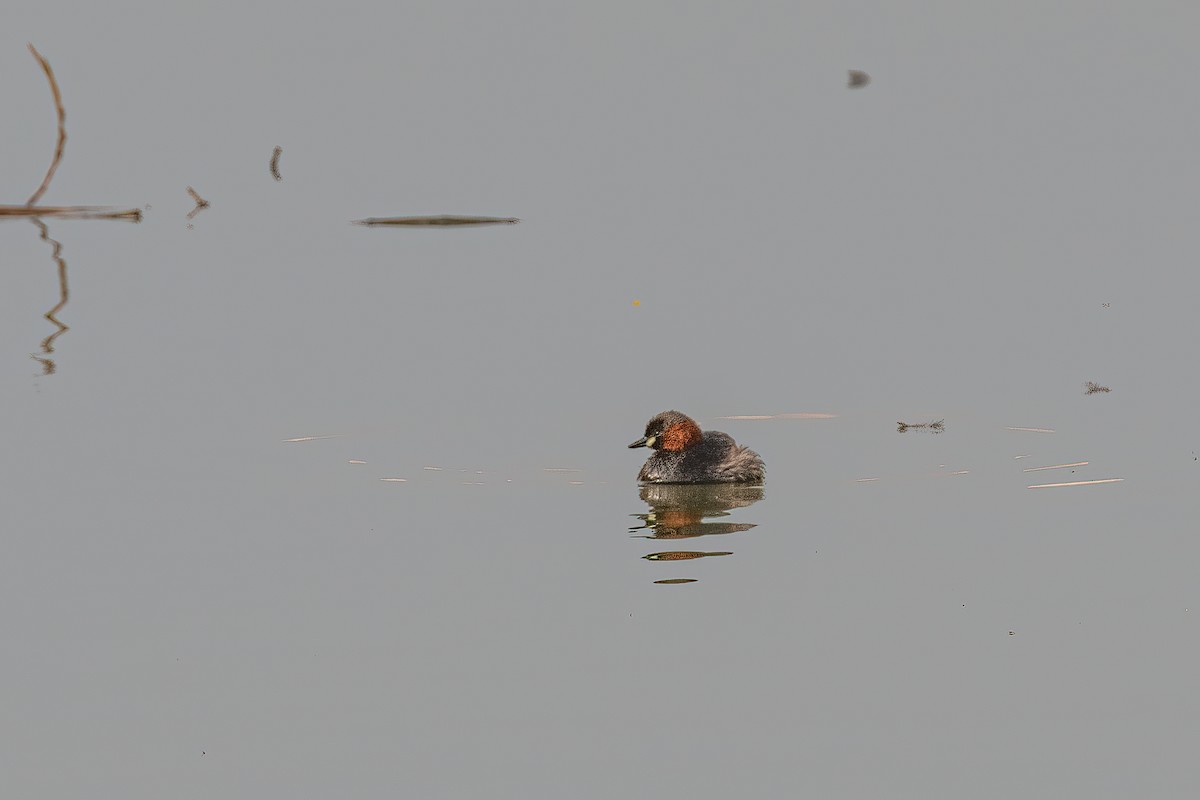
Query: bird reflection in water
[682, 511]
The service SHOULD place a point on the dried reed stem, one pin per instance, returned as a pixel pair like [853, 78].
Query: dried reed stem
[62, 126]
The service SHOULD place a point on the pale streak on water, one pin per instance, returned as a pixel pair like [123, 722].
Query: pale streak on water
[1075, 483]
[1057, 466]
[792, 415]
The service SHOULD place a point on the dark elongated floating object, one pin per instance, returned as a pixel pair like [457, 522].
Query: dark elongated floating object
[441, 219]
[857, 79]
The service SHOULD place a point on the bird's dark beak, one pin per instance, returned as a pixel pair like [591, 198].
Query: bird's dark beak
[639, 443]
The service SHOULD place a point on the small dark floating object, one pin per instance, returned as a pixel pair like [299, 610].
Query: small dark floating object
[442, 219]
[857, 79]
[682, 555]
[1091, 387]
[677, 580]
[936, 427]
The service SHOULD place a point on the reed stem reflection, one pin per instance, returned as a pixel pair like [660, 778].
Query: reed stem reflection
[48, 365]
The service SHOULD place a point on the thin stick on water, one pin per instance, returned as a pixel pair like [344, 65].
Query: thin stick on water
[62, 126]
[437, 221]
[71, 212]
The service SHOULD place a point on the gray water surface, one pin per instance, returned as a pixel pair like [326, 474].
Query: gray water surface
[311, 509]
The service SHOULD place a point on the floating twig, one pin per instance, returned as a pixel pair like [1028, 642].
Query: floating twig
[72, 212]
[936, 426]
[1091, 387]
[856, 79]
[62, 127]
[275, 163]
[443, 219]
[201, 203]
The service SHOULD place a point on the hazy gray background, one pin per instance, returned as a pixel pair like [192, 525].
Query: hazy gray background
[193, 608]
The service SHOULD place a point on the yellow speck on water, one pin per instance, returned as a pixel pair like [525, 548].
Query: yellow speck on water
[637, 303]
